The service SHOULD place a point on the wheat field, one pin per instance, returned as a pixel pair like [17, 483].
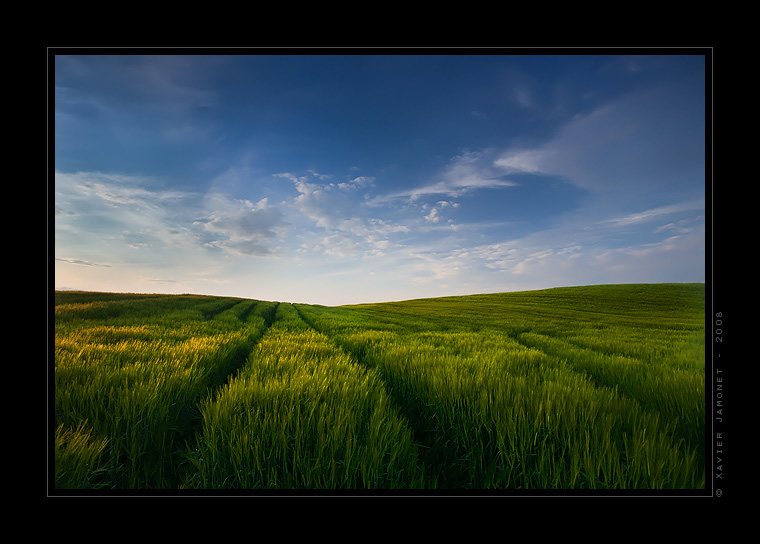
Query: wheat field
[583, 388]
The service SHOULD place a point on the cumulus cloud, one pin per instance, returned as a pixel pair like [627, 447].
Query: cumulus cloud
[432, 217]
[321, 203]
[345, 229]
[435, 214]
[241, 226]
[361, 182]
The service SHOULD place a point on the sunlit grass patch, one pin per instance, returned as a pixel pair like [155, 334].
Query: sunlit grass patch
[137, 376]
[302, 414]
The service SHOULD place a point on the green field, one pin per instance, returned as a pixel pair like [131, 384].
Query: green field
[584, 388]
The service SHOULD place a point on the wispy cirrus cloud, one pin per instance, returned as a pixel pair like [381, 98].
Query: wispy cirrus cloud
[160, 84]
[465, 173]
[103, 212]
[528, 161]
[643, 140]
[555, 258]
[81, 262]
[652, 213]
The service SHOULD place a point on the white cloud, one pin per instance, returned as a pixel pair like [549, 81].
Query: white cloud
[565, 255]
[99, 213]
[652, 213]
[240, 226]
[360, 182]
[113, 189]
[663, 228]
[443, 270]
[465, 173]
[524, 161]
[432, 217]
[102, 213]
[320, 203]
[320, 176]
[347, 231]
[81, 262]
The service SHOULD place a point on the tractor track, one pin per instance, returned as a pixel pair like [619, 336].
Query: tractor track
[439, 462]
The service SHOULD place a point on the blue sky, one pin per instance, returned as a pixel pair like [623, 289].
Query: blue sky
[348, 178]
